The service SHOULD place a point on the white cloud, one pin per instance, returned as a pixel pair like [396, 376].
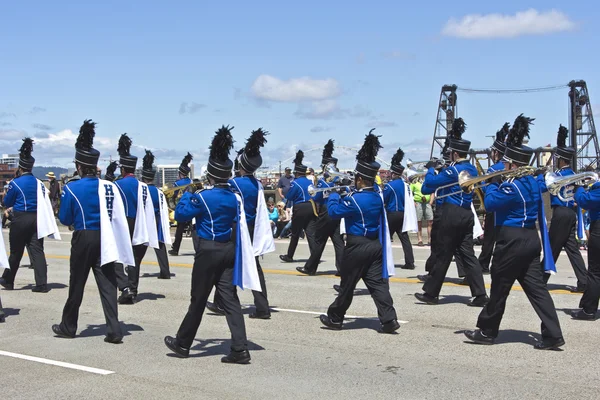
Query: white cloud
[270, 88]
[530, 22]
[330, 109]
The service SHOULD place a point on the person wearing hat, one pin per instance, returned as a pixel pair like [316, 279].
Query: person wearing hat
[257, 218]
[367, 254]
[25, 229]
[161, 215]
[110, 171]
[456, 224]
[183, 180]
[398, 199]
[497, 152]
[129, 188]
[54, 189]
[98, 216]
[304, 208]
[224, 256]
[284, 184]
[563, 225]
[518, 205]
[325, 227]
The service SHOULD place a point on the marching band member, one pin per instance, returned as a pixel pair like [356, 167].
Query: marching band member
[590, 200]
[134, 195]
[101, 238]
[33, 220]
[325, 227]
[368, 251]
[401, 218]
[184, 179]
[565, 215]
[518, 204]
[110, 171]
[456, 224]
[251, 191]
[489, 233]
[220, 261]
[303, 211]
[161, 215]
[3, 264]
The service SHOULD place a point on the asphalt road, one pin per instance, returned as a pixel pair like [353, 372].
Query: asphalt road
[293, 357]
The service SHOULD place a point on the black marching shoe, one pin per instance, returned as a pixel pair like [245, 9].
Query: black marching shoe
[325, 320]
[549, 344]
[304, 271]
[485, 271]
[408, 266]
[286, 258]
[582, 315]
[40, 289]
[6, 285]
[479, 301]
[214, 308]
[576, 289]
[2, 316]
[113, 339]
[337, 288]
[478, 337]
[423, 278]
[164, 276]
[127, 297]
[260, 315]
[179, 351]
[464, 282]
[237, 357]
[425, 298]
[390, 327]
[60, 333]
[173, 252]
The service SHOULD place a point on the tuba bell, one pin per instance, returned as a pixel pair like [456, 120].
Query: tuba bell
[563, 186]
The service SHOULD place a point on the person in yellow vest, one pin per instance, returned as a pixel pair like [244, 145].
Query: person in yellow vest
[424, 210]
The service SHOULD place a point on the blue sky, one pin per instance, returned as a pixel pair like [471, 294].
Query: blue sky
[170, 73]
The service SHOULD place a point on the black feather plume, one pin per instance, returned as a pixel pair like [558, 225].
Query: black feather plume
[26, 148]
[187, 159]
[503, 132]
[124, 145]
[458, 128]
[112, 167]
[561, 139]
[256, 140]
[221, 144]
[328, 149]
[519, 130]
[398, 157]
[370, 148]
[299, 157]
[85, 140]
[148, 161]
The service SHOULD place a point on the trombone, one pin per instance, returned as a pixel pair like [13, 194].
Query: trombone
[555, 184]
[469, 183]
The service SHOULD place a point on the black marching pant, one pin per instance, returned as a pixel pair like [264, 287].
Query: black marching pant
[179, 235]
[132, 279]
[591, 296]
[395, 222]
[434, 240]
[517, 257]
[85, 255]
[324, 227]
[489, 238]
[213, 266]
[163, 259]
[302, 217]
[456, 234]
[363, 259]
[23, 232]
[562, 235]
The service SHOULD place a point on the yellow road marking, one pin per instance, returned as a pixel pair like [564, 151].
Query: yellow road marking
[286, 272]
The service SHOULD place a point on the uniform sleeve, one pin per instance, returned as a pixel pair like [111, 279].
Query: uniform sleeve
[189, 207]
[434, 181]
[387, 194]
[541, 179]
[588, 199]
[318, 197]
[292, 194]
[65, 214]
[500, 197]
[339, 208]
[11, 195]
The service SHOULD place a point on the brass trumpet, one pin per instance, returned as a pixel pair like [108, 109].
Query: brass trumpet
[556, 183]
[313, 190]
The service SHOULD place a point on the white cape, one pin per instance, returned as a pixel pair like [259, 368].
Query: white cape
[477, 229]
[409, 224]
[140, 230]
[263, 235]
[250, 278]
[3, 257]
[164, 217]
[389, 257]
[114, 231]
[46, 223]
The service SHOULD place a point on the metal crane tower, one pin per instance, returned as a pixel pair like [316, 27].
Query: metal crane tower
[445, 116]
[582, 128]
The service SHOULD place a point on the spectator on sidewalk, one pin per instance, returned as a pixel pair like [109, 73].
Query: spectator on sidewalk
[423, 204]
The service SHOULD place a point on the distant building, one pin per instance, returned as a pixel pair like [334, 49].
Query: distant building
[11, 160]
[6, 174]
[168, 174]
